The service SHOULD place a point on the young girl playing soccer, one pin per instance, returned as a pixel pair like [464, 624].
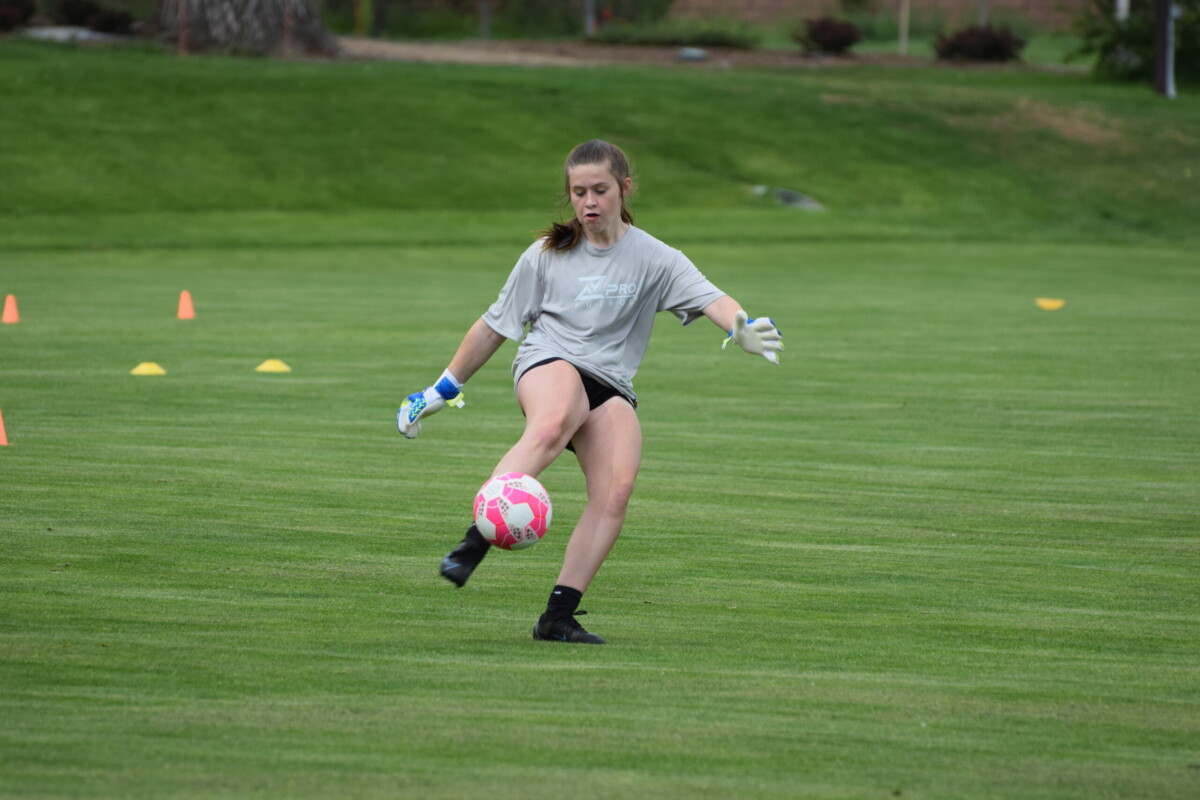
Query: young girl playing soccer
[587, 292]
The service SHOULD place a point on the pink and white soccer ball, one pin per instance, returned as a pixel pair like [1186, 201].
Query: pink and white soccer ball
[512, 511]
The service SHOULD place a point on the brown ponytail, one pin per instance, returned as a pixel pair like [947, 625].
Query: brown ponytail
[562, 236]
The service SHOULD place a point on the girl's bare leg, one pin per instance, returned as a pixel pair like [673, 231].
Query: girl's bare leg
[609, 446]
[555, 406]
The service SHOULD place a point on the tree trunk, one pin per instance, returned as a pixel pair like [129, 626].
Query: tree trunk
[379, 10]
[256, 27]
[1164, 48]
[589, 17]
[485, 19]
[905, 16]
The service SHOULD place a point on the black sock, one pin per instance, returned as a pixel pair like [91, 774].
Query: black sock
[563, 602]
[476, 538]
[471, 550]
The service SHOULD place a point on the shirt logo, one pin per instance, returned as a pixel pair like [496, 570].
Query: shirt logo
[595, 288]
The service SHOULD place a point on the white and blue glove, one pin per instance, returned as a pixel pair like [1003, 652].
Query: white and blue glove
[447, 391]
[758, 337]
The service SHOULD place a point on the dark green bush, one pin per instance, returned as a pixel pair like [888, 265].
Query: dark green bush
[565, 17]
[442, 19]
[15, 14]
[108, 20]
[542, 18]
[980, 43]
[827, 35]
[1125, 50]
[90, 14]
[638, 11]
[75, 12]
[678, 34]
[410, 19]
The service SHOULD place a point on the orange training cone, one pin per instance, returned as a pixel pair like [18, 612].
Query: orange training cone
[186, 311]
[3, 435]
[10, 310]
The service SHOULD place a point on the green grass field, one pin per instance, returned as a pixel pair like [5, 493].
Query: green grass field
[947, 550]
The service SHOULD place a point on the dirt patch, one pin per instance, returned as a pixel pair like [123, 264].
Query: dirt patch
[1073, 124]
[1076, 125]
[585, 54]
[1179, 137]
[455, 53]
[835, 99]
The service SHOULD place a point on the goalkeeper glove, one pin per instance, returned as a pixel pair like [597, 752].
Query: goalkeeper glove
[759, 336]
[447, 391]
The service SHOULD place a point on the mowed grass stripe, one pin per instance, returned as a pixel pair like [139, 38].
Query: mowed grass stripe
[911, 558]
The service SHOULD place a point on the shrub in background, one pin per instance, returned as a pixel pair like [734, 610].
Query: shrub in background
[108, 20]
[410, 19]
[827, 35]
[90, 14]
[679, 33]
[458, 19]
[1125, 50]
[535, 18]
[15, 14]
[980, 43]
[75, 12]
[640, 11]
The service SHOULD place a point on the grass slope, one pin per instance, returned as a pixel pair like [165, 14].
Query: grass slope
[120, 132]
[947, 550]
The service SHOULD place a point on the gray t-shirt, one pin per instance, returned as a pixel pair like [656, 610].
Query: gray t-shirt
[595, 307]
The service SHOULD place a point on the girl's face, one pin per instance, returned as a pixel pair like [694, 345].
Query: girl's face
[596, 197]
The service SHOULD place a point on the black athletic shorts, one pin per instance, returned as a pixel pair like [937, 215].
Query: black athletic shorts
[597, 391]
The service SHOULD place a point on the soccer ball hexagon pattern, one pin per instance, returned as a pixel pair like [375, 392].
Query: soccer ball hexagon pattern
[512, 511]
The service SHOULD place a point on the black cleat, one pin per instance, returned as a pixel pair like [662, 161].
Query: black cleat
[564, 629]
[460, 562]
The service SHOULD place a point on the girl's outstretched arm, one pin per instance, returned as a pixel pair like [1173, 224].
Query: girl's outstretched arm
[758, 337]
[480, 344]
